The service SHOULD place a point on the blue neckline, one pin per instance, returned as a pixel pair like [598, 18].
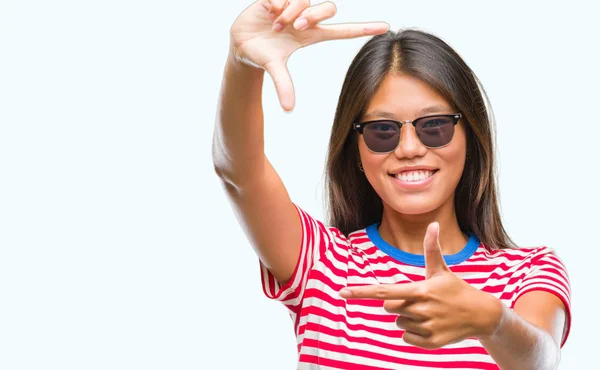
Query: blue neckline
[419, 259]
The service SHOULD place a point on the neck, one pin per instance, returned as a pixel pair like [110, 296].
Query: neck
[407, 232]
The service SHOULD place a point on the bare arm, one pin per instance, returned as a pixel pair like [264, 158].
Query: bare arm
[257, 194]
[528, 337]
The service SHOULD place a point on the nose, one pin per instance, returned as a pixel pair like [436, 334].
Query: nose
[410, 146]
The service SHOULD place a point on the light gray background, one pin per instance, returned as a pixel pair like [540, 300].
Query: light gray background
[118, 248]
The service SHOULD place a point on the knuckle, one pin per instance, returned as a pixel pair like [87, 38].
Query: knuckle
[422, 292]
[289, 15]
[277, 6]
[439, 340]
[420, 311]
[436, 343]
[284, 18]
[427, 328]
[381, 292]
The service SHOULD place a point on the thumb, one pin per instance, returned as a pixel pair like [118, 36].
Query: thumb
[283, 83]
[434, 259]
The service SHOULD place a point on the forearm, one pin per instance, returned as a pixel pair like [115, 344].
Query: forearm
[518, 344]
[238, 142]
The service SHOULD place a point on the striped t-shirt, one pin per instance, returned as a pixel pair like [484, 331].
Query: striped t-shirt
[337, 333]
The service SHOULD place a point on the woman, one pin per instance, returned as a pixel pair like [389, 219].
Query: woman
[416, 269]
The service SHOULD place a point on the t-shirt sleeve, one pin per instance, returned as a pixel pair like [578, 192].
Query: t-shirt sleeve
[316, 238]
[547, 272]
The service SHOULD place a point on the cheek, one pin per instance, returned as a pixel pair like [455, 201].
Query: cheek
[455, 166]
[370, 161]
[454, 156]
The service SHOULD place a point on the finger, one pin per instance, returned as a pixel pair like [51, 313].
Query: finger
[283, 84]
[395, 305]
[434, 259]
[292, 11]
[420, 341]
[405, 308]
[315, 14]
[413, 326]
[349, 30]
[277, 6]
[410, 291]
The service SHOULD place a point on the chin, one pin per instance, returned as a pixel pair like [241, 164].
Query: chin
[415, 205]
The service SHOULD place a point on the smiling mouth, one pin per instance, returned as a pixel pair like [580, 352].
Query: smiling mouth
[414, 176]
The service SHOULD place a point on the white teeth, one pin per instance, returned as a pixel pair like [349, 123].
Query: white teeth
[408, 176]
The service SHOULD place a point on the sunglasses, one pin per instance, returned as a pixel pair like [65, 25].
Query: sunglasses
[383, 136]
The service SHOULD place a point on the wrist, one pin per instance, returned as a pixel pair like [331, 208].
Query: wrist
[491, 313]
[240, 64]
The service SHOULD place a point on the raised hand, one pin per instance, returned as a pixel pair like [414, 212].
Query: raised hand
[267, 32]
[440, 310]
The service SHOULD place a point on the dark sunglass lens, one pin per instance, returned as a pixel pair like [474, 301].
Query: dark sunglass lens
[435, 131]
[381, 136]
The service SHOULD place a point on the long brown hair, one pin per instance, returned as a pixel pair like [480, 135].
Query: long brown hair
[352, 202]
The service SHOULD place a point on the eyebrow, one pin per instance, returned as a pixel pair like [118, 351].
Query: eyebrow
[436, 108]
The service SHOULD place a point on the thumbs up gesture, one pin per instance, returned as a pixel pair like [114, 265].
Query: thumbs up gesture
[440, 310]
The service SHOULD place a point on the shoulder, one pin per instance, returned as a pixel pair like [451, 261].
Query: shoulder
[319, 226]
[356, 243]
[520, 259]
[521, 253]
[527, 259]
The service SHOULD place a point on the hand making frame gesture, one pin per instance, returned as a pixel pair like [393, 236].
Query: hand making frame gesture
[269, 31]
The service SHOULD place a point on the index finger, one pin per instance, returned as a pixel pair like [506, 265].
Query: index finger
[384, 291]
[350, 30]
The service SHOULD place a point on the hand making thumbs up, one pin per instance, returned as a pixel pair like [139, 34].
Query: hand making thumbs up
[440, 310]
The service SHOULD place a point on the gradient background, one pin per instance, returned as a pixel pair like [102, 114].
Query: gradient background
[118, 247]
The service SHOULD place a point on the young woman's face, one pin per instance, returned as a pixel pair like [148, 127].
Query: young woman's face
[406, 191]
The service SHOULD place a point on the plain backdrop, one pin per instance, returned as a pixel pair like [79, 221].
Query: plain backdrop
[118, 247]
